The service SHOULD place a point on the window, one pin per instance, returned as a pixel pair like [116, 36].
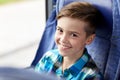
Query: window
[21, 27]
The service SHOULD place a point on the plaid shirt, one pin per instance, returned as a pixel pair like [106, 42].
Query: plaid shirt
[82, 69]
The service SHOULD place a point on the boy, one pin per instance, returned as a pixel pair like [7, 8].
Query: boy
[76, 26]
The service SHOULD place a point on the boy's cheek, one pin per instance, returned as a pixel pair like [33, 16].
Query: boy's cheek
[56, 39]
[57, 36]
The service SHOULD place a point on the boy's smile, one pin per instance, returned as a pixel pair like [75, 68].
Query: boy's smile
[64, 46]
[70, 36]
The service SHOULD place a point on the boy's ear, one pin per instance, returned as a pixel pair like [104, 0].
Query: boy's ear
[90, 39]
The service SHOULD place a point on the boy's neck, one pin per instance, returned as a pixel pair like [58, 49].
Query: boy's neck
[69, 61]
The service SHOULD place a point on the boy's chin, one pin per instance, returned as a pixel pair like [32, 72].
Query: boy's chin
[64, 54]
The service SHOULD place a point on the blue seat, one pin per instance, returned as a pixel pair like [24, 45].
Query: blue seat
[112, 71]
[104, 49]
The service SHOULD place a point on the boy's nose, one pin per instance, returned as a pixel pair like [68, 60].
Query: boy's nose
[64, 38]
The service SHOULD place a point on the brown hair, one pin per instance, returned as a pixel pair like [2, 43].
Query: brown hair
[84, 12]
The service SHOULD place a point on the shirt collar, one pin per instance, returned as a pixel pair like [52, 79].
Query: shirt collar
[78, 66]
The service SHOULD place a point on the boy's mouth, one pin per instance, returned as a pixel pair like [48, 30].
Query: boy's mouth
[64, 47]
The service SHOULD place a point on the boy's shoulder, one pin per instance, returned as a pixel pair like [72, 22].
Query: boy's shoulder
[52, 55]
[92, 70]
[53, 52]
[90, 64]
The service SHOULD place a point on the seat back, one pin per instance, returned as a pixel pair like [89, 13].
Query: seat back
[47, 40]
[112, 71]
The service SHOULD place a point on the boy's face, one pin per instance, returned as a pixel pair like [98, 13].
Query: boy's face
[70, 36]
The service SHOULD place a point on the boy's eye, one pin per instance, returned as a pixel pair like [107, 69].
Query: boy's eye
[74, 35]
[60, 30]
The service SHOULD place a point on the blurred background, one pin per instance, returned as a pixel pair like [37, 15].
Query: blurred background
[22, 24]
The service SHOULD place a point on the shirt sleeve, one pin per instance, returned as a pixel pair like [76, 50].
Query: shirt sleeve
[42, 64]
[95, 75]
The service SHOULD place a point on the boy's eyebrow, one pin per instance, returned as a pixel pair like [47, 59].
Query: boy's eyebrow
[59, 27]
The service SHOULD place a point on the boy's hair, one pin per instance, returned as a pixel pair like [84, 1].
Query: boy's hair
[84, 12]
